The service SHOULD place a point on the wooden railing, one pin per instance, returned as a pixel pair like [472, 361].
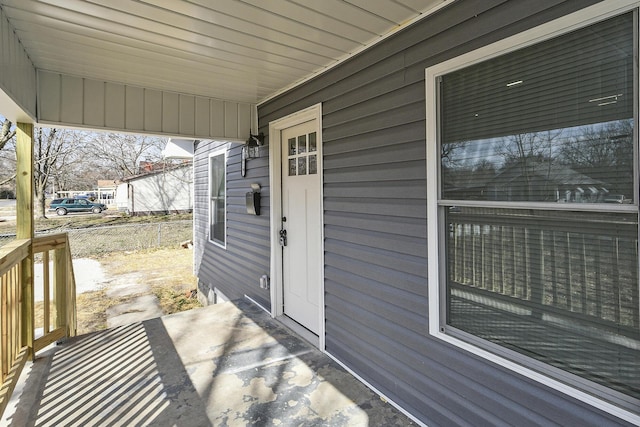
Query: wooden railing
[13, 350]
[568, 268]
[17, 308]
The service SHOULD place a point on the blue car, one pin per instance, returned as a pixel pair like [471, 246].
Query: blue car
[63, 206]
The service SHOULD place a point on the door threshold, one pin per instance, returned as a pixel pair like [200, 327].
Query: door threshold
[300, 330]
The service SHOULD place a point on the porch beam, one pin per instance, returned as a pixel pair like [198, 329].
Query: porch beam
[66, 100]
[25, 225]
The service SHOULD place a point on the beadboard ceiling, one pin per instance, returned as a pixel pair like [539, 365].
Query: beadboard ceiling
[241, 50]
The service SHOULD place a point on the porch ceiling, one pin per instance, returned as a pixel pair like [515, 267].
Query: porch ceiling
[241, 50]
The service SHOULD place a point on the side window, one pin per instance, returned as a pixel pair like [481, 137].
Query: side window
[217, 198]
[536, 218]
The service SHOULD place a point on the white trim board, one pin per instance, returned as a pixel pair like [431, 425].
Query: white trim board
[275, 210]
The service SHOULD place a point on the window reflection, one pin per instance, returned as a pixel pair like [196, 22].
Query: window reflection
[581, 164]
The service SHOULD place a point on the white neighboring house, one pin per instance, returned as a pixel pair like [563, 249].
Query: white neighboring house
[178, 149]
[168, 190]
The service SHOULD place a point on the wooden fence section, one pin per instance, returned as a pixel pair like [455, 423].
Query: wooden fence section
[17, 326]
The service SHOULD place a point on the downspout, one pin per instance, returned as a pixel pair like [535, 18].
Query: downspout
[130, 199]
[192, 195]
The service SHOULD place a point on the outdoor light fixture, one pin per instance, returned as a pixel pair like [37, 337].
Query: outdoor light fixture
[251, 149]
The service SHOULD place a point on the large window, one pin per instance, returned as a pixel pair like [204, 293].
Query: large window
[536, 213]
[217, 198]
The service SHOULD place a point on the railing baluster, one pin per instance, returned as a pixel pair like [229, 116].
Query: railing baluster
[598, 277]
[513, 252]
[4, 318]
[635, 292]
[59, 291]
[71, 308]
[583, 285]
[473, 255]
[46, 303]
[464, 254]
[534, 289]
[615, 284]
[569, 282]
[492, 231]
[18, 314]
[483, 279]
[503, 265]
[11, 324]
[554, 270]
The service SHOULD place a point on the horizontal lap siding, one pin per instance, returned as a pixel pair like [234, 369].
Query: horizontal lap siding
[236, 270]
[375, 224]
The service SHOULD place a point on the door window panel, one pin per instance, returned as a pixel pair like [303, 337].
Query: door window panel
[302, 144]
[300, 157]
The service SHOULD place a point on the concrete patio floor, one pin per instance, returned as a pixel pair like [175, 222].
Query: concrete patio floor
[224, 365]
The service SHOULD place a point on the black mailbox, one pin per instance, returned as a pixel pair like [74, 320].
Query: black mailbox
[253, 200]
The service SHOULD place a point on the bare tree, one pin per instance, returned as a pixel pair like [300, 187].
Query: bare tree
[120, 154]
[606, 146]
[529, 146]
[605, 152]
[7, 158]
[7, 133]
[76, 160]
[51, 149]
[533, 153]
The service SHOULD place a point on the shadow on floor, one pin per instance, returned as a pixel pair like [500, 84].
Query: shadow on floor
[223, 365]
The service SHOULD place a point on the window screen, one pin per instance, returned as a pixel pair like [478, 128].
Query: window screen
[553, 124]
[550, 123]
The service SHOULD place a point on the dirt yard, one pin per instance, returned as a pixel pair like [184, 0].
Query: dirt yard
[169, 273]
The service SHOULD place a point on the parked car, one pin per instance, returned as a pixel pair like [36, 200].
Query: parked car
[63, 206]
[617, 198]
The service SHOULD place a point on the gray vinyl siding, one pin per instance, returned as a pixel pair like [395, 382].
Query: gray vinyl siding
[236, 269]
[375, 224]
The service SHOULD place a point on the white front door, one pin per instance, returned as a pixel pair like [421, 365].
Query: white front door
[302, 221]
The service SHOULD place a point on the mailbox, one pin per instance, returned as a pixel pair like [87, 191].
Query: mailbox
[253, 200]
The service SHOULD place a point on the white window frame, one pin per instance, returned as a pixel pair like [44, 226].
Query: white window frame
[216, 153]
[436, 257]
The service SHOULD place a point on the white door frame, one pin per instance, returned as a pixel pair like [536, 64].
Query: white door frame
[275, 184]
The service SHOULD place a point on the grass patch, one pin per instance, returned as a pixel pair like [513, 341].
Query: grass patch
[91, 310]
[169, 272]
[74, 221]
[174, 300]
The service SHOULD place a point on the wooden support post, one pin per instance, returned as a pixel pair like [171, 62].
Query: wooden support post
[24, 224]
[24, 181]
